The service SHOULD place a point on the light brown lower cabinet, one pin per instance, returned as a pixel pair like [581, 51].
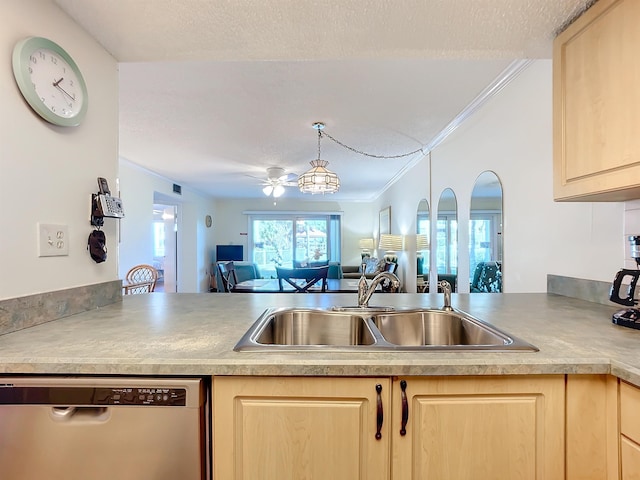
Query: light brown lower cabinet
[629, 432]
[292, 428]
[301, 428]
[474, 428]
[592, 444]
[630, 459]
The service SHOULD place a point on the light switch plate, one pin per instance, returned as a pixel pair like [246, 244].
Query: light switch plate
[53, 240]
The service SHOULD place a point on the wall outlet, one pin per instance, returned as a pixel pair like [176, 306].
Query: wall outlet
[53, 240]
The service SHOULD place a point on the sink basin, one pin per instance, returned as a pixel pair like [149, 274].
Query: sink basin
[445, 330]
[375, 329]
[310, 328]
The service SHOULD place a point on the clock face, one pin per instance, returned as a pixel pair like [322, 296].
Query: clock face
[50, 81]
[56, 84]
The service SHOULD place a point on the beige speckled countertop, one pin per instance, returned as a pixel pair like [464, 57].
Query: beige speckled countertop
[194, 334]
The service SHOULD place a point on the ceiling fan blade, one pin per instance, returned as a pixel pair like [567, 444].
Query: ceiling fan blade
[262, 179]
[283, 180]
[289, 177]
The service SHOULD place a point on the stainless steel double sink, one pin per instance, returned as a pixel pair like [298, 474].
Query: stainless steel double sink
[375, 329]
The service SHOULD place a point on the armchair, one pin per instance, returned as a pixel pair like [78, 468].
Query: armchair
[487, 278]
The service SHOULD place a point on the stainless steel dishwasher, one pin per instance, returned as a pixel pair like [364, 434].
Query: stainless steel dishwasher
[79, 428]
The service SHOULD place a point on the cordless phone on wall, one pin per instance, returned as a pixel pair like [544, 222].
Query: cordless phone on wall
[103, 186]
[110, 206]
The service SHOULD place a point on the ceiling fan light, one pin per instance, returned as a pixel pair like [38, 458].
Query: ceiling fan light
[278, 190]
[267, 190]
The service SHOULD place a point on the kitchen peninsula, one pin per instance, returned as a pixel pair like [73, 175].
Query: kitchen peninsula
[194, 335]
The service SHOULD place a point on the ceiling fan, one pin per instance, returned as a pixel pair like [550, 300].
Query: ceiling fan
[277, 180]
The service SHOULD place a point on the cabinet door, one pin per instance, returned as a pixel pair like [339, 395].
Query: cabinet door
[592, 427]
[475, 428]
[630, 459]
[630, 431]
[596, 73]
[292, 428]
[630, 411]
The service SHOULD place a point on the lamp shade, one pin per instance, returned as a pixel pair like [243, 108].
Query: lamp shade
[318, 179]
[391, 242]
[422, 242]
[366, 243]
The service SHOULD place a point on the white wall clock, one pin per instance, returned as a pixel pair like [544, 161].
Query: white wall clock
[50, 81]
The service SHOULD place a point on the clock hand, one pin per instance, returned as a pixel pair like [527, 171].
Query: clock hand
[57, 85]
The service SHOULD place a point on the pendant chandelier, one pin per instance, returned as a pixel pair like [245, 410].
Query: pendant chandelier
[318, 179]
[321, 180]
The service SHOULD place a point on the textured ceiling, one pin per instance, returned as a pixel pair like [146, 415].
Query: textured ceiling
[214, 91]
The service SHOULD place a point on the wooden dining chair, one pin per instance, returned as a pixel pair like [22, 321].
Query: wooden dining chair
[302, 279]
[228, 275]
[140, 279]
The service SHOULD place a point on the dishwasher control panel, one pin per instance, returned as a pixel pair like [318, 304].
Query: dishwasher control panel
[82, 395]
[145, 396]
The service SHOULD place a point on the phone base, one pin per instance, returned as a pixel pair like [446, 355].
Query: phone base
[629, 317]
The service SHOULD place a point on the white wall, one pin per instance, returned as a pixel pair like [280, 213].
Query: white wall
[403, 197]
[631, 227]
[138, 188]
[47, 173]
[512, 135]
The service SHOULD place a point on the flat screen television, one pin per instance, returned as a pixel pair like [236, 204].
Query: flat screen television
[225, 253]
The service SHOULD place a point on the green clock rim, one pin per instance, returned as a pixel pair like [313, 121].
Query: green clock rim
[21, 54]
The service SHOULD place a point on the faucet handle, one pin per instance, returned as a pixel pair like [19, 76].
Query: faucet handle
[446, 289]
[445, 286]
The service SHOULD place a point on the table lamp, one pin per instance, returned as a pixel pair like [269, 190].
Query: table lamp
[366, 245]
[391, 244]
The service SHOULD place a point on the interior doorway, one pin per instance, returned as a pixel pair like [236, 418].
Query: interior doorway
[165, 246]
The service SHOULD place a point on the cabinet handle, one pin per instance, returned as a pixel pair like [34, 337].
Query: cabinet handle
[405, 407]
[380, 413]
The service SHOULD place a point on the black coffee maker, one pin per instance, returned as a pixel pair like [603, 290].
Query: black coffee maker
[629, 317]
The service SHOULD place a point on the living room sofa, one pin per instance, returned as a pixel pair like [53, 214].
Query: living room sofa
[373, 267]
[335, 269]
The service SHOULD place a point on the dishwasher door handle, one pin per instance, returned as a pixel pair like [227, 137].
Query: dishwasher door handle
[80, 414]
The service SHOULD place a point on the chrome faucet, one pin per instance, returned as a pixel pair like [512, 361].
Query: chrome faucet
[446, 289]
[365, 290]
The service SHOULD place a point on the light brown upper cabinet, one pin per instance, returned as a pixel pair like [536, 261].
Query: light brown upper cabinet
[596, 105]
